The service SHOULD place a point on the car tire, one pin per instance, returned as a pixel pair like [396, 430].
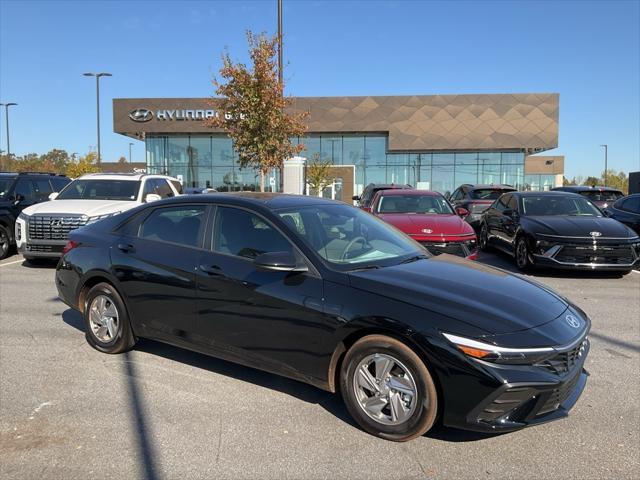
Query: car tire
[106, 320]
[483, 238]
[402, 404]
[5, 242]
[522, 255]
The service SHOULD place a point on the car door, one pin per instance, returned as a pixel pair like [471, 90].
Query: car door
[494, 219]
[24, 194]
[268, 319]
[510, 222]
[155, 259]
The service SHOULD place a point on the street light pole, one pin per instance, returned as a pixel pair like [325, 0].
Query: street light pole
[280, 76]
[605, 164]
[130, 144]
[98, 75]
[6, 116]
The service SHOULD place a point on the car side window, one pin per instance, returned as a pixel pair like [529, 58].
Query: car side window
[177, 185]
[244, 234]
[57, 184]
[631, 205]
[42, 189]
[180, 225]
[25, 188]
[149, 187]
[163, 189]
[457, 195]
[501, 203]
[513, 203]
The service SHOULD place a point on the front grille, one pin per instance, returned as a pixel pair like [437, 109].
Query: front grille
[564, 361]
[53, 227]
[559, 395]
[45, 248]
[452, 248]
[616, 255]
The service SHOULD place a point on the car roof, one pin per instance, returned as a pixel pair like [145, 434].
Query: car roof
[548, 193]
[390, 186]
[404, 192]
[272, 201]
[584, 188]
[495, 186]
[123, 176]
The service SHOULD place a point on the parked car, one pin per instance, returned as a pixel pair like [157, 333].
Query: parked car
[626, 210]
[476, 199]
[42, 229]
[429, 219]
[364, 200]
[325, 293]
[558, 229]
[198, 190]
[19, 191]
[603, 197]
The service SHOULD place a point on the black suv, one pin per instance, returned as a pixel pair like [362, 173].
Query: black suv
[603, 197]
[19, 191]
[476, 199]
[364, 200]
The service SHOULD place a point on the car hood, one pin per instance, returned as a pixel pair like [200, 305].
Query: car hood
[79, 207]
[569, 226]
[492, 300]
[414, 223]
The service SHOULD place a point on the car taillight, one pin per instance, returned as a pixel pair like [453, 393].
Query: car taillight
[69, 246]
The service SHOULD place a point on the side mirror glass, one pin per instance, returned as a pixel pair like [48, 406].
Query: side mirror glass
[356, 198]
[277, 262]
[462, 212]
[53, 195]
[152, 197]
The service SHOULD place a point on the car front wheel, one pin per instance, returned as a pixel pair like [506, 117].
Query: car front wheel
[388, 389]
[5, 243]
[522, 254]
[483, 239]
[107, 322]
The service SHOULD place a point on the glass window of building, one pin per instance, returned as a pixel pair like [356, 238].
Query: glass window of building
[178, 151]
[200, 150]
[331, 149]
[466, 168]
[312, 146]
[222, 151]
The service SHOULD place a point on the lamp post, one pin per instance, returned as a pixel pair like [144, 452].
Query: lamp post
[280, 41]
[98, 75]
[6, 116]
[605, 163]
[130, 145]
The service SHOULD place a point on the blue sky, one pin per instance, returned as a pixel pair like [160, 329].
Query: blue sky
[588, 51]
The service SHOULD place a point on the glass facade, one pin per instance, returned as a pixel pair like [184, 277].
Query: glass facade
[210, 161]
[539, 182]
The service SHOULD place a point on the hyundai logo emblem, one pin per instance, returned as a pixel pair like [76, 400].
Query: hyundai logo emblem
[595, 234]
[141, 115]
[56, 222]
[427, 230]
[573, 321]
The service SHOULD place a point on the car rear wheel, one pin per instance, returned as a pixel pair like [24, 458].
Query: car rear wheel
[5, 243]
[388, 389]
[483, 238]
[522, 254]
[107, 322]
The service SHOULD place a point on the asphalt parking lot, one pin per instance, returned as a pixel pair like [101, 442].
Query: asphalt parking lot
[68, 411]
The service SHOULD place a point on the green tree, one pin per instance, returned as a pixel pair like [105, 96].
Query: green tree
[591, 181]
[318, 174]
[253, 109]
[618, 180]
[86, 164]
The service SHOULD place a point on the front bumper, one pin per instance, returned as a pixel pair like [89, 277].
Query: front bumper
[460, 245]
[42, 249]
[603, 255]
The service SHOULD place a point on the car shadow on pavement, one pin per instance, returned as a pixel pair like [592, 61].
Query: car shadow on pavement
[45, 263]
[504, 262]
[331, 402]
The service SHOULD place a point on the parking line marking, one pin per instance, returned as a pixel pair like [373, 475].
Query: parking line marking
[11, 263]
[636, 271]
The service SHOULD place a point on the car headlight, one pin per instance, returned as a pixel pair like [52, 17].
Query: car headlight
[493, 353]
[99, 217]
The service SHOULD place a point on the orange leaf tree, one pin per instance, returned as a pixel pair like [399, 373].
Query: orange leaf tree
[253, 109]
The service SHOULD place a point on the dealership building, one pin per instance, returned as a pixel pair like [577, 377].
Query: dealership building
[434, 142]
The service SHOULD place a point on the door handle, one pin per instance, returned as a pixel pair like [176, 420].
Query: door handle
[125, 247]
[211, 269]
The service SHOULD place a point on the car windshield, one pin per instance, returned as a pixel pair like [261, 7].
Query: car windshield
[558, 205]
[5, 183]
[433, 204]
[94, 189]
[597, 196]
[349, 238]
[487, 193]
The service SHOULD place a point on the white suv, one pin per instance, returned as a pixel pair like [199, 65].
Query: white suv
[42, 229]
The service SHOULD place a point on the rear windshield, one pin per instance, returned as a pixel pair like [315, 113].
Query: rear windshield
[488, 193]
[100, 190]
[596, 196]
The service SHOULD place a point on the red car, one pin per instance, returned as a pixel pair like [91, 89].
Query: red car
[428, 218]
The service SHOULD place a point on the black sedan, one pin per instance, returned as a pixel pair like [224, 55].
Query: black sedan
[627, 210]
[560, 230]
[327, 294]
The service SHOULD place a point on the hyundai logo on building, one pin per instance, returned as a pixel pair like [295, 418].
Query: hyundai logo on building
[141, 115]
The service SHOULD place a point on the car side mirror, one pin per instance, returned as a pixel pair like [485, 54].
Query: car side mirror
[53, 195]
[356, 198]
[367, 209]
[606, 213]
[19, 198]
[462, 212]
[152, 197]
[278, 262]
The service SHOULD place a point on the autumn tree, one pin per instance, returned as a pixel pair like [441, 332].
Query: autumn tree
[253, 109]
[86, 164]
[318, 174]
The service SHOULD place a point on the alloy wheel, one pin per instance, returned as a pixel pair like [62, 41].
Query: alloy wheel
[483, 237]
[522, 256]
[385, 389]
[4, 243]
[104, 319]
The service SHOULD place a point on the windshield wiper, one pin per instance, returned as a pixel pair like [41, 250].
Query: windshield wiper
[365, 267]
[413, 259]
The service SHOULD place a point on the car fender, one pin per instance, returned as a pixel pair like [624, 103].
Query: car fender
[8, 220]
